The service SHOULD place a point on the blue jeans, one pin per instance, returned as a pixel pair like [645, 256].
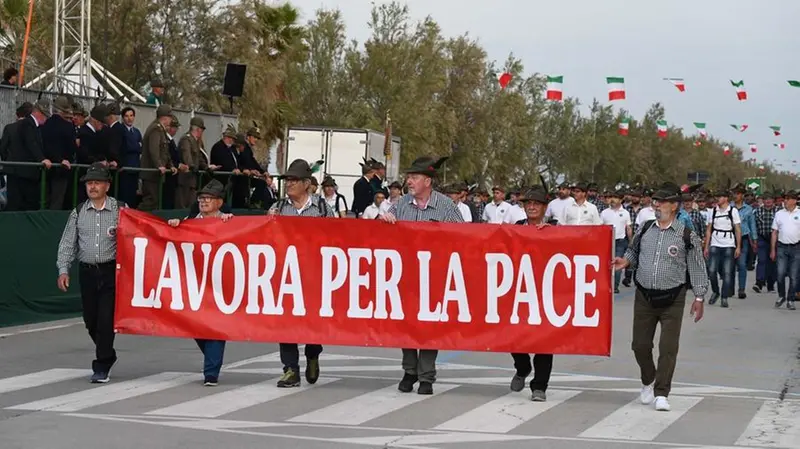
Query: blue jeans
[788, 261]
[766, 270]
[213, 352]
[741, 262]
[720, 262]
[620, 246]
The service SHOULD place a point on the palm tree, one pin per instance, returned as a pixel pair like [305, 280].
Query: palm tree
[13, 16]
[281, 41]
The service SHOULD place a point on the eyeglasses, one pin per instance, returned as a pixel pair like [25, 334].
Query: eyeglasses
[206, 198]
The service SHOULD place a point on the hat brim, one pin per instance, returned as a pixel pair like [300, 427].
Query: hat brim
[92, 177]
[670, 198]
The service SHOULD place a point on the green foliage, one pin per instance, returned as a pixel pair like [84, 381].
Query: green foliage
[442, 91]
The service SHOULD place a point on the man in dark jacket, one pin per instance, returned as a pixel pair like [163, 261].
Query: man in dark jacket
[58, 137]
[26, 146]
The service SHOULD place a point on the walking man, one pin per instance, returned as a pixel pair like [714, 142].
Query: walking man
[210, 199]
[299, 202]
[90, 236]
[785, 249]
[534, 202]
[422, 203]
[661, 253]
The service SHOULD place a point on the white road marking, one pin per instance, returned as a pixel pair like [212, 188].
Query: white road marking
[636, 421]
[505, 413]
[776, 424]
[230, 401]
[366, 407]
[106, 394]
[39, 329]
[40, 378]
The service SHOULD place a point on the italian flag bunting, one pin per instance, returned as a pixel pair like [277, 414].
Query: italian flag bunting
[753, 147]
[780, 146]
[503, 78]
[697, 143]
[727, 150]
[701, 128]
[624, 124]
[739, 128]
[794, 83]
[616, 88]
[678, 83]
[662, 128]
[775, 130]
[554, 88]
[741, 94]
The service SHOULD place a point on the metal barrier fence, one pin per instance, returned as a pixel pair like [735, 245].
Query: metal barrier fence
[11, 98]
[115, 180]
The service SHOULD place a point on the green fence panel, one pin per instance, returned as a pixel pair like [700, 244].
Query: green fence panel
[28, 273]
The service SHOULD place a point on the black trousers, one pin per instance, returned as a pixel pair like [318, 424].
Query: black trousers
[23, 194]
[542, 367]
[290, 355]
[98, 287]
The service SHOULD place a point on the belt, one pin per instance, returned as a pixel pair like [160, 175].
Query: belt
[110, 263]
[789, 244]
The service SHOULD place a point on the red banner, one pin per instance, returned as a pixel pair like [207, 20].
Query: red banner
[367, 283]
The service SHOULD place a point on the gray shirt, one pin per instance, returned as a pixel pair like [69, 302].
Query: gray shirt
[662, 261]
[316, 206]
[439, 208]
[92, 237]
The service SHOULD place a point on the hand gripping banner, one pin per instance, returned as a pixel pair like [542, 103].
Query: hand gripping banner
[334, 281]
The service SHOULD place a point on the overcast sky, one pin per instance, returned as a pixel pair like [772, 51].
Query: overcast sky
[706, 42]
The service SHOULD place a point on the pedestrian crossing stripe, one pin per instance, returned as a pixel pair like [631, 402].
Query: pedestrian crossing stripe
[773, 424]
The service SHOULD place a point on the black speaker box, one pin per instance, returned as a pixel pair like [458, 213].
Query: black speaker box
[234, 80]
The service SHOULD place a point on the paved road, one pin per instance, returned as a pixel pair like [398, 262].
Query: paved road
[738, 387]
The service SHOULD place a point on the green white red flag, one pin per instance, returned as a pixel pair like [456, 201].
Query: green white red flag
[753, 147]
[794, 83]
[662, 128]
[678, 83]
[624, 126]
[775, 130]
[555, 90]
[741, 93]
[780, 146]
[740, 128]
[726, 150]
[701, 128]
[616, 88]
[697, 143]
[504, 78]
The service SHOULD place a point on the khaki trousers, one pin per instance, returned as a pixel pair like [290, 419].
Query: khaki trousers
[645, 320]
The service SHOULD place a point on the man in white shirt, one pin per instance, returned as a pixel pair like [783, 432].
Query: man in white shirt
[455, 193]
[722, 244]
[373, 210]
[497, 209]
[556, 207]
[581, 211]
[785, 249]
[620, 218]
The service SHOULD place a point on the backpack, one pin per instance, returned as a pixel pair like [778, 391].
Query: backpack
[82, 206]
[730, 217]
[687, 236]
[321, 204]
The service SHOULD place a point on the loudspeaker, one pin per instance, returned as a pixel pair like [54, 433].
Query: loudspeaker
[234, 80]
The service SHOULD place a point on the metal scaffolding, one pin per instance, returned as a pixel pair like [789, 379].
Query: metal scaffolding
[74, 71]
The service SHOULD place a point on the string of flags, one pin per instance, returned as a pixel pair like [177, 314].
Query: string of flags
[616, 92]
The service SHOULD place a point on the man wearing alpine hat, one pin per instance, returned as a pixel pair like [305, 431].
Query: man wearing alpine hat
[534, 202]
[300, 202]
[661, 253]
[210, 198]
[421, 203]
[90, 236]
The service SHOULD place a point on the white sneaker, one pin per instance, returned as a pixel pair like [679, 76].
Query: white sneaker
[647, 395]
[662, 405]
